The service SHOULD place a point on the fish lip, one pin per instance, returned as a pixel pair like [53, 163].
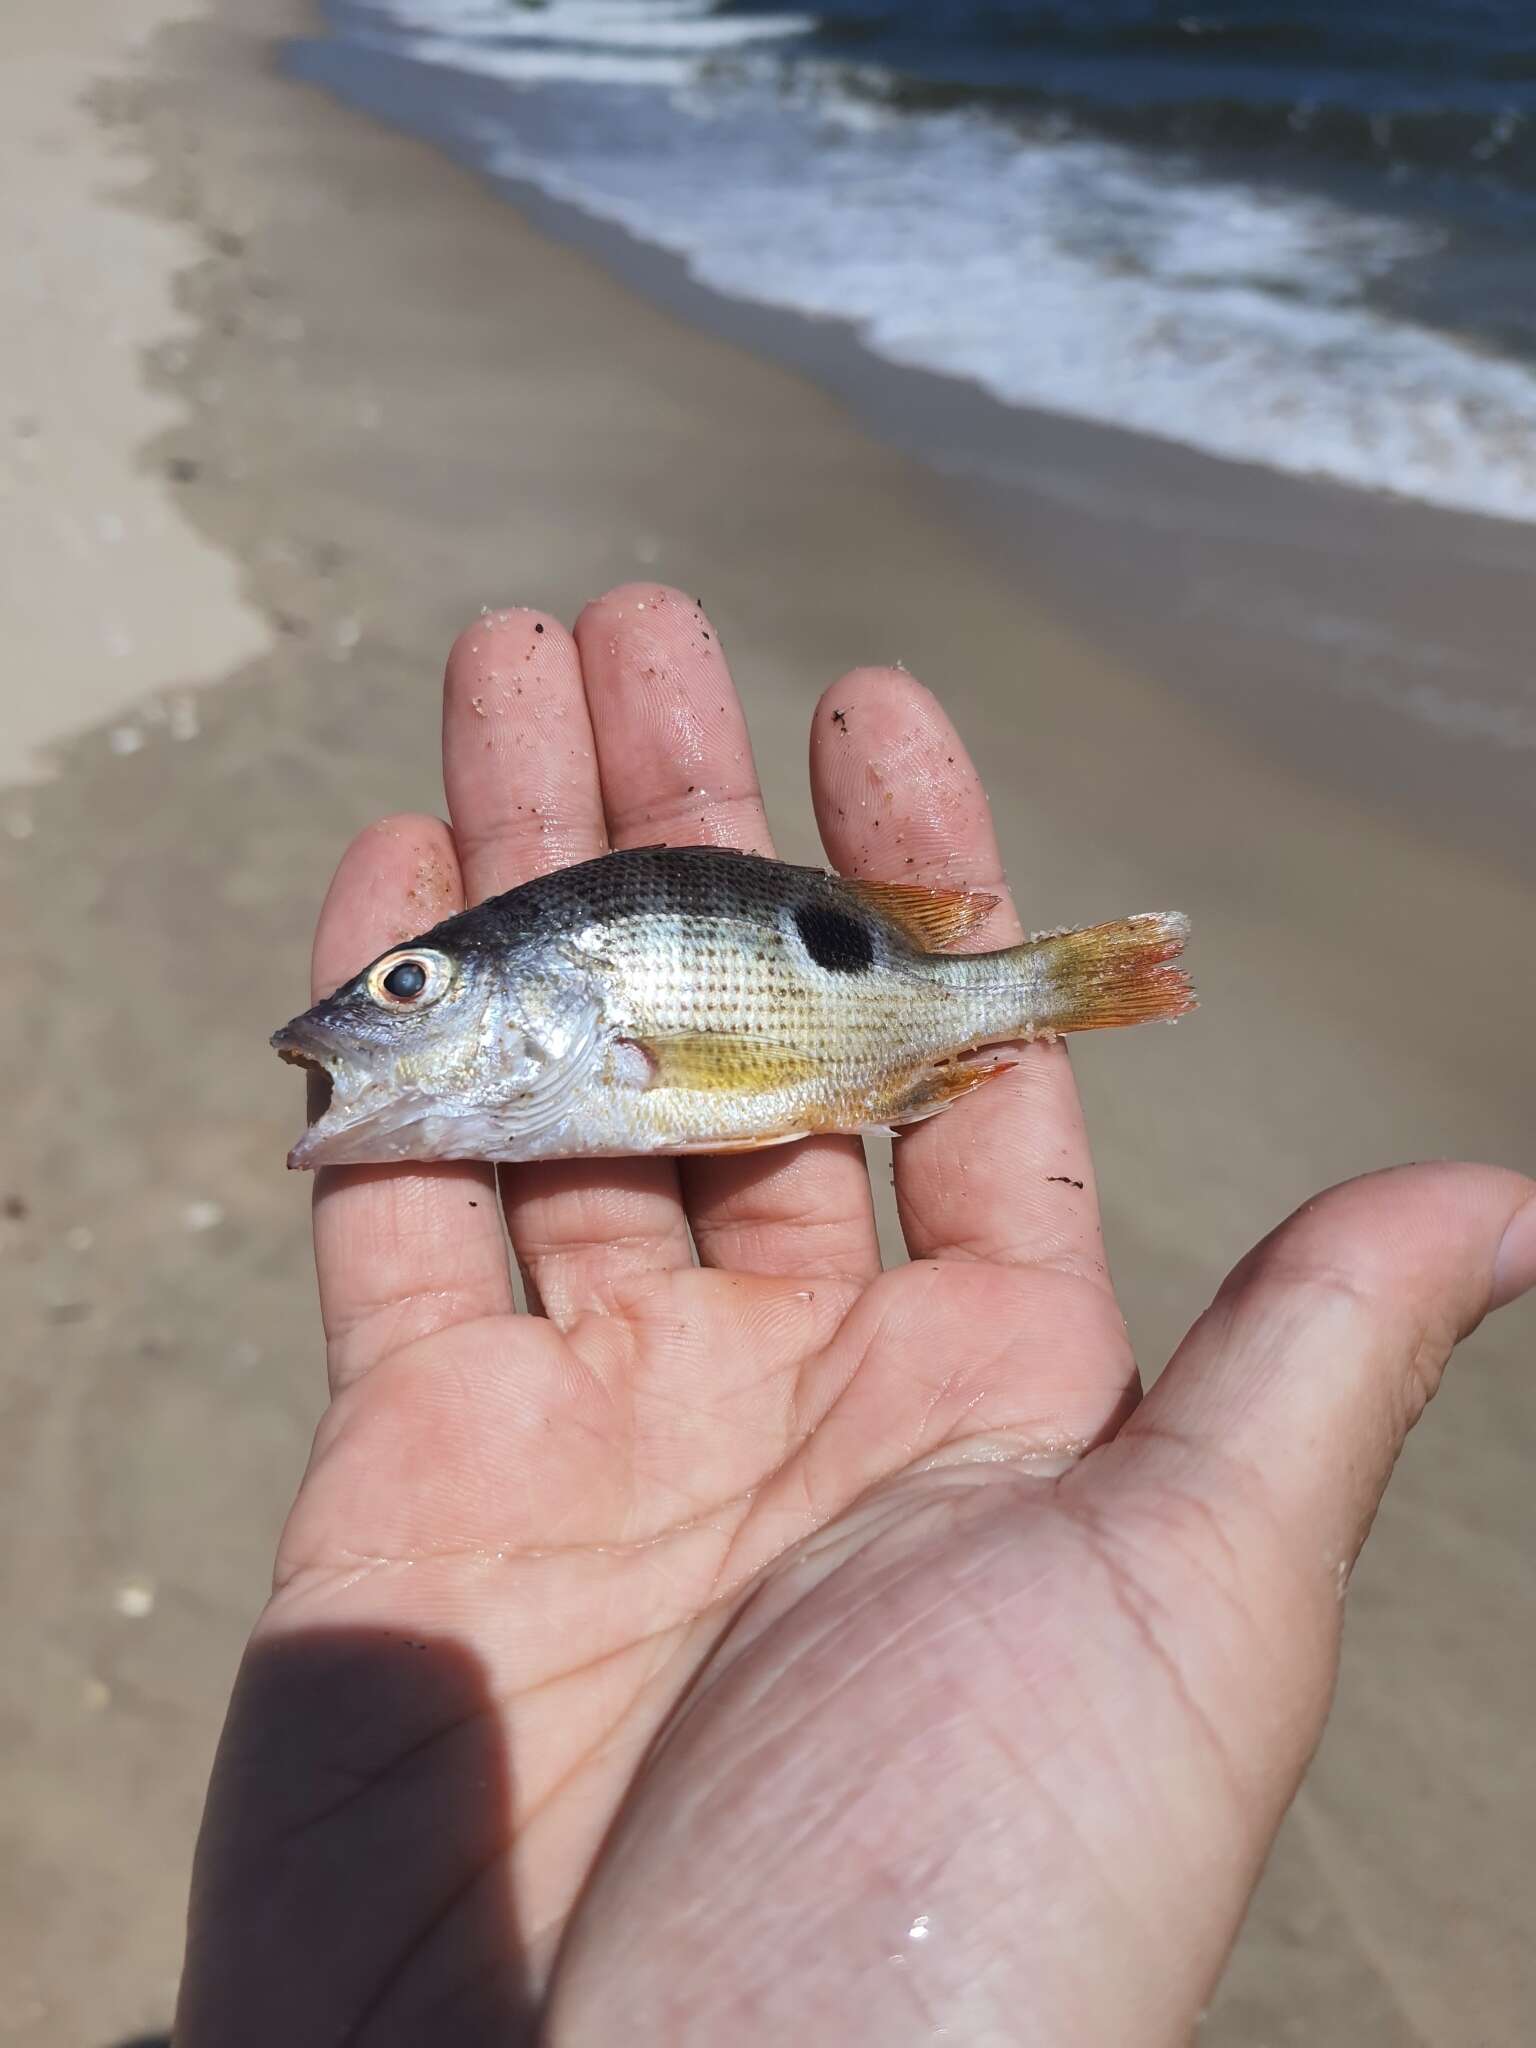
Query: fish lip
[292, 1038]
[301, 1157]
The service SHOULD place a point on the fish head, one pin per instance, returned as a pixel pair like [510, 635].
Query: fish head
[437, 1051]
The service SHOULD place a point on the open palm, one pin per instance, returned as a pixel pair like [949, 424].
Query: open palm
[747, 1639]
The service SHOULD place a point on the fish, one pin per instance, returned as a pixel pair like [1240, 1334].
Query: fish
[694, 999]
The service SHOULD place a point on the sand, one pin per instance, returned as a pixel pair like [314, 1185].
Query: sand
[391, 402]
[106, 592]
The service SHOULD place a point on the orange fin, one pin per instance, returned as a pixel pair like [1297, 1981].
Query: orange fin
[938, 1087]
[721, 1063]
[929, 919]
[738, 1144]
[1114, 974]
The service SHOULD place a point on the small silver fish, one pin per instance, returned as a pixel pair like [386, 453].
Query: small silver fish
[691, 999]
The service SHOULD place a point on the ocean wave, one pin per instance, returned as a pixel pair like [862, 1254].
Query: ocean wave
[530, 66]
[1076, 275]
[648, 26]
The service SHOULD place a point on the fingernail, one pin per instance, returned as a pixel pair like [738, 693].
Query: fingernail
[1514, 1269]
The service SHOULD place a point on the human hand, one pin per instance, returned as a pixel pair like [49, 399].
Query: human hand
[771, 1647]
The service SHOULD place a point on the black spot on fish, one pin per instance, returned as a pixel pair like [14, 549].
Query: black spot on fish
[835, 940]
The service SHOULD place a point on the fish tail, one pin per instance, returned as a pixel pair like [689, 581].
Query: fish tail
[1109, 974]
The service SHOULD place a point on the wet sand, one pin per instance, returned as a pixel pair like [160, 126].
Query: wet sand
[391, 402]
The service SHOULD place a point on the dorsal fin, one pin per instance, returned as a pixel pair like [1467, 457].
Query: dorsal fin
[929, 919]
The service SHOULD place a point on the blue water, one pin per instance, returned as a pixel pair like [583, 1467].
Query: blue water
[1437, 88]
[1300, 234]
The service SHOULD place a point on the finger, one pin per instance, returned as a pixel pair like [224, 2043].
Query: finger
[1003, 1175]
[1292, 1396]
[521, 774]
[676, 764]
[401, 1251]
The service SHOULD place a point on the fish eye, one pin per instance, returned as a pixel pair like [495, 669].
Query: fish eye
[406, 980]
[409, 981]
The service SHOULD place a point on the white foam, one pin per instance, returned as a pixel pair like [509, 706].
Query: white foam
[545, 67]
[647, 25]
[1074, 277]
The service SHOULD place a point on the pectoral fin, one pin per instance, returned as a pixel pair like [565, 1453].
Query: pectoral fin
[718, 1062]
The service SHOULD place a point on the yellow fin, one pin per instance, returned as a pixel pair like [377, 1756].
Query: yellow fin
[720, 1062]
[929, 919]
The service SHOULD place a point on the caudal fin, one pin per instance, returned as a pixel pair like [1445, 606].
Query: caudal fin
[1114, 974]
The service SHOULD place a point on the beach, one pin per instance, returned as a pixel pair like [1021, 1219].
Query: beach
[335, 395]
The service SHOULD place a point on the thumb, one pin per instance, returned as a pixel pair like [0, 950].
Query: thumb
[1322, 1348]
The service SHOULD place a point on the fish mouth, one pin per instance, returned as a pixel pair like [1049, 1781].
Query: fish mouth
[320, 1082]
[326, 1092]
[355, 1116]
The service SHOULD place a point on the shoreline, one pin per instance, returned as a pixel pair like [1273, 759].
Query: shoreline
[1391, 626]
[404, 403]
